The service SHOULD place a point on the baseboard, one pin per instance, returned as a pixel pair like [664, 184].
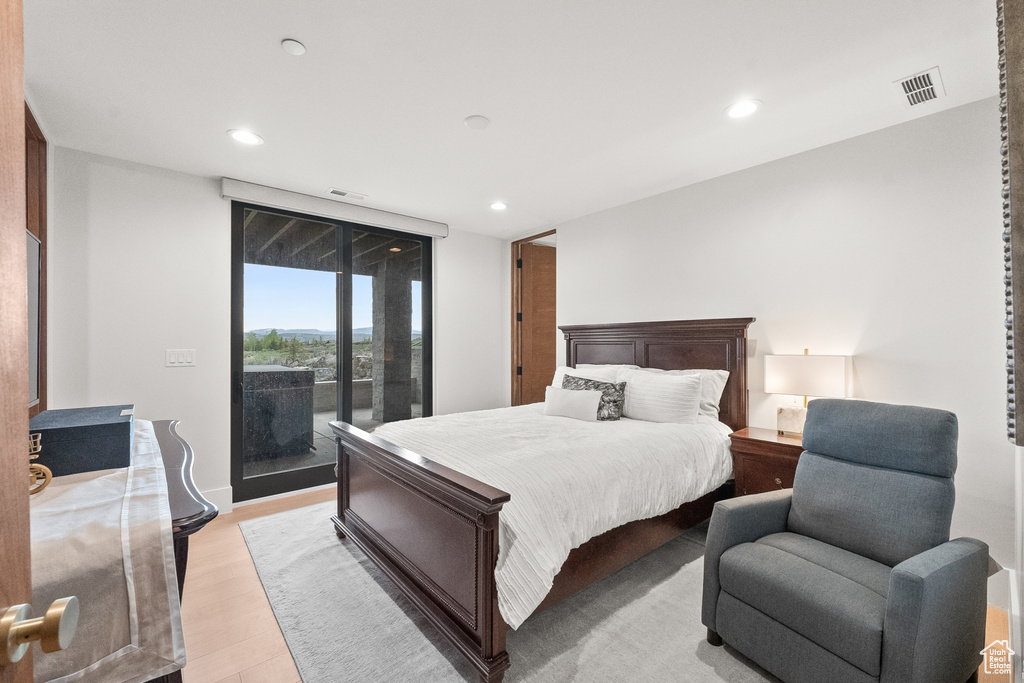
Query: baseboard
[287, 494]
[1017, 573]
[1016, 642]
[221, 498]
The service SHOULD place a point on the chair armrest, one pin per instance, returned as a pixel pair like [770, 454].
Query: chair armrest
[934, 626]
[735, 521]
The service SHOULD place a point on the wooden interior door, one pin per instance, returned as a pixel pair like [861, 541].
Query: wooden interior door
[534, 332]
[15, 565]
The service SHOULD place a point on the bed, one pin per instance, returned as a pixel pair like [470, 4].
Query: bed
[434, 530]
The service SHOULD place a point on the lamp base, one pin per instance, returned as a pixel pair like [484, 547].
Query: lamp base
[791, 420]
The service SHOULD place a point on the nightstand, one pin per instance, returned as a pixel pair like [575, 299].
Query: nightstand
[763, 460]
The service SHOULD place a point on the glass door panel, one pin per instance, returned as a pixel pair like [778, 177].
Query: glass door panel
[387, 329]
[289, 351]
[330, 321]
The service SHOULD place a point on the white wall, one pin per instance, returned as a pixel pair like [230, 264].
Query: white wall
[139, 261]
[470, 323]
[1017, 585]
[886, 247]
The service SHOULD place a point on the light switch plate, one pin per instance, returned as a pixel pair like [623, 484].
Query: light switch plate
[181, 358]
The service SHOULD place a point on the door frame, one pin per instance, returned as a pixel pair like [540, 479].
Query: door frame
[35, 218]
[517, 298]
[242, 488]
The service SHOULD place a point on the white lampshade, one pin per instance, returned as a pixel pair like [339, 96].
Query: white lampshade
[822, 376]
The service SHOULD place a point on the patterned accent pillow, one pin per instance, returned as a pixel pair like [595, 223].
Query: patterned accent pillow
[613, 396]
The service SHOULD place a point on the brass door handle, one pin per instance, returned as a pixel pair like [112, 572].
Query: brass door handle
[54, 630]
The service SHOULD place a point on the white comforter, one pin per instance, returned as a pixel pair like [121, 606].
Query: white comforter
[569, 480]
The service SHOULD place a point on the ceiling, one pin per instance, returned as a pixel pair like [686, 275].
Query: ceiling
[273, 239]
[592, 103]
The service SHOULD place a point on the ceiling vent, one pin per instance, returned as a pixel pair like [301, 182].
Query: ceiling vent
[346, 194]
[921, 87]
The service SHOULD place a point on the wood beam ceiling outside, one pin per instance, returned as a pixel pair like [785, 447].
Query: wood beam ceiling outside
[318, 237]
[369, 249]
[354, 240]
[375, 254]
[287, 226]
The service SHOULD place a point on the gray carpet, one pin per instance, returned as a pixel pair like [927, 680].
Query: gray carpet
[344, 621]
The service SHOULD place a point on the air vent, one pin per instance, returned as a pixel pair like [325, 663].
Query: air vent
[346, 194]
[921, 87]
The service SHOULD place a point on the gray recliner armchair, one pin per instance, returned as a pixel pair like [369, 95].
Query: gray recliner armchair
[850, 575]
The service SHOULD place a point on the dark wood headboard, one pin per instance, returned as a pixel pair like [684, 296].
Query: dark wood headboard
[714, 344]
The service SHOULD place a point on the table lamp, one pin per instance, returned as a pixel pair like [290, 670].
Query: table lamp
[818, 376]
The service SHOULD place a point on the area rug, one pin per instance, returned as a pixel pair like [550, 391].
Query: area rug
[344, 621]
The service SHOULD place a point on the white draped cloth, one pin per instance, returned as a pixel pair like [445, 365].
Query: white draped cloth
[106, 538]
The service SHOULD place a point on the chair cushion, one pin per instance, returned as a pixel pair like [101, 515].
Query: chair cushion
[839, 613]
[780, 649]
[886, 515]
[905, 438]
[857, 568]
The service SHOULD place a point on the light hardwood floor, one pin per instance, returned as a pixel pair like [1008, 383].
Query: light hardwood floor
[231, 635]
[997, 627]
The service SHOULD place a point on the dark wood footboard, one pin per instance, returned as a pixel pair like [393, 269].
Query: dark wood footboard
[434, 532]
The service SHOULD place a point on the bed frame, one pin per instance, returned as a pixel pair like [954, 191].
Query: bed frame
[434, 531]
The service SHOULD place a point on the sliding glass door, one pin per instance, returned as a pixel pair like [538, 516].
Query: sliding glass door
[387, 353]
[330, 321]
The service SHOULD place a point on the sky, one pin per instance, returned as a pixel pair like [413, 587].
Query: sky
[293, 299]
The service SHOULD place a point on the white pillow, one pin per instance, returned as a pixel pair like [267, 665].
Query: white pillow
[661, 397]
[577, 404]
[606, 366]
[600, 373]
[712, 387]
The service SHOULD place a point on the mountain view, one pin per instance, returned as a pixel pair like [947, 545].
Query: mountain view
[306, 336]
[314, 349]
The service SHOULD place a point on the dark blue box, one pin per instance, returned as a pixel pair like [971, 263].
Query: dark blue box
[85, 439]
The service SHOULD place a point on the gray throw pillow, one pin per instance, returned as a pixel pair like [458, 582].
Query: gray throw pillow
[612, 395]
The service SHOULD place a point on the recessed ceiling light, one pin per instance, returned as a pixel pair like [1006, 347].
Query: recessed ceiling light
[245, 136]
[395, 249]
[293, 47]
[499, 206]
[743, 108]
[476, 122]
